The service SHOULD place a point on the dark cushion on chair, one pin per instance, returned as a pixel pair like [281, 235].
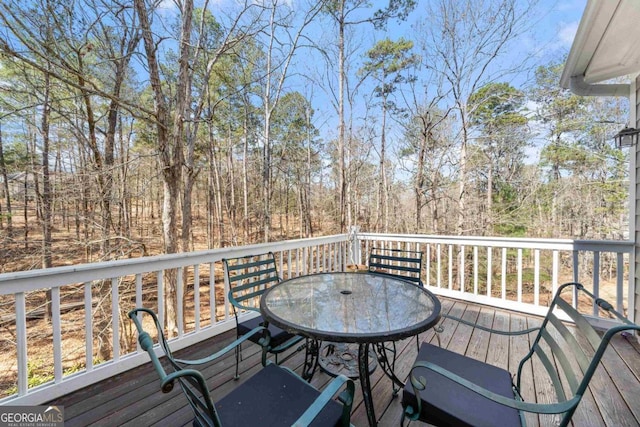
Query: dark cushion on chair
[274, 397]
[278, 336]
[446, 403]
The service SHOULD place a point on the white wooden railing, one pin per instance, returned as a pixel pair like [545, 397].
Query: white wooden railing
[108, 291]
[516, 274]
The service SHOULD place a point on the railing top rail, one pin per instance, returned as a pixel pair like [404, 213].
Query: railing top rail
[26, 281]
[624, 246]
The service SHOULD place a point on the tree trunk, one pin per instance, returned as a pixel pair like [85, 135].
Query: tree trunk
[488, 230]
[419, 180]
[169, 147]
[384, 194]
[342, 188]
[462, 176]
[46, 195]
[5, 178]
[245, 184]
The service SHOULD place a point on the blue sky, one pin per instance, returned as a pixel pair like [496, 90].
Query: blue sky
[549, 38]
[552, 29]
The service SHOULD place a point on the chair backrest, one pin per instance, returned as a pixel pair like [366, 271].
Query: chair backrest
[570, 354]
[403, 264]
[248, 277]
[191, 381]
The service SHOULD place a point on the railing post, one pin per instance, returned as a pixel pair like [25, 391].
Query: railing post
[354, 252]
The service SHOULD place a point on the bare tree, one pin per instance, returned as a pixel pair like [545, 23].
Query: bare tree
[169, 141]
[463, 41]
[278, 57]
[5, 178]
[345, 15]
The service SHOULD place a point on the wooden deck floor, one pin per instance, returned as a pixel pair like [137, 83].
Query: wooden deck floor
[134, 398]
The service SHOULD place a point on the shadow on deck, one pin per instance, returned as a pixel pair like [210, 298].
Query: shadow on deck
[134, 398]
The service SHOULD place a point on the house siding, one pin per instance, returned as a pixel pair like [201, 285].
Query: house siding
[634, 112]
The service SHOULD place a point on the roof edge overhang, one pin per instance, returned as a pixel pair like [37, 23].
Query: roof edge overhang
[595, 21]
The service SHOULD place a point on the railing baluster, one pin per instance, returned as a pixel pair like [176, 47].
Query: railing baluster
[180, 300]
[226, 297]
[503, 279]
[115, 319]
[21, 343]
[138, 290]
[519, 298]
[439, 270]
[88, 326]
[428, 266]
[555, 267]
[475, 270]
[306, 260]
[489, 270]
[138, 300]
[536, 277]
[160, 290]
[576, 278]
[462, 268]
[213, 303]
[196, 297]
[620, 282]
[56, 325]
[596, 281]
[450, 267]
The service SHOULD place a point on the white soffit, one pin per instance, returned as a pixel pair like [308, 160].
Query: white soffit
[607, 44]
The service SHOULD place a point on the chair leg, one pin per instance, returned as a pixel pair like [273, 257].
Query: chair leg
[238, 356]
[438, 329]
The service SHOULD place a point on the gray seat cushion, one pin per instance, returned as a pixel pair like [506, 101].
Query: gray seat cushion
[274, 397]
[446, 403]
[278, 336]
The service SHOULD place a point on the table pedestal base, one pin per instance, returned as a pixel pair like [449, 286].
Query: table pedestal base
[342, 359]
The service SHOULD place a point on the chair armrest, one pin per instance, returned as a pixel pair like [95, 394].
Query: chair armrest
[539, 408]
[264, 342]
[236, 305]
[326, 396]
[493, 331]
[146, 342]
[287, 344]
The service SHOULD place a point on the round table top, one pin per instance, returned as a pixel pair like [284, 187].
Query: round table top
[350, 307]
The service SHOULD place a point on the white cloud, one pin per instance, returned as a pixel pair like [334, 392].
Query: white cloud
[566, 33]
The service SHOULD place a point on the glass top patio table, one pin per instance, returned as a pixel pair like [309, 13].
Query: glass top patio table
[350, 307]
[363, 308]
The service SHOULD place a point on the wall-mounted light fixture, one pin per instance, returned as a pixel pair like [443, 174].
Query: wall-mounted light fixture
[627, 137]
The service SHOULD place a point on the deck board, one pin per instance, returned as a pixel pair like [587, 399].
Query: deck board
[134, 399]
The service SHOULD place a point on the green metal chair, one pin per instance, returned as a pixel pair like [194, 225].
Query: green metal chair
[275, 396]
[449, 389]
[247, 278]
[398, 263]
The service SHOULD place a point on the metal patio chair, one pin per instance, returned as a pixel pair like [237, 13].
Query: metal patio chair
[275, 396]
[449, 389]
[398, 263]
[247, 278]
